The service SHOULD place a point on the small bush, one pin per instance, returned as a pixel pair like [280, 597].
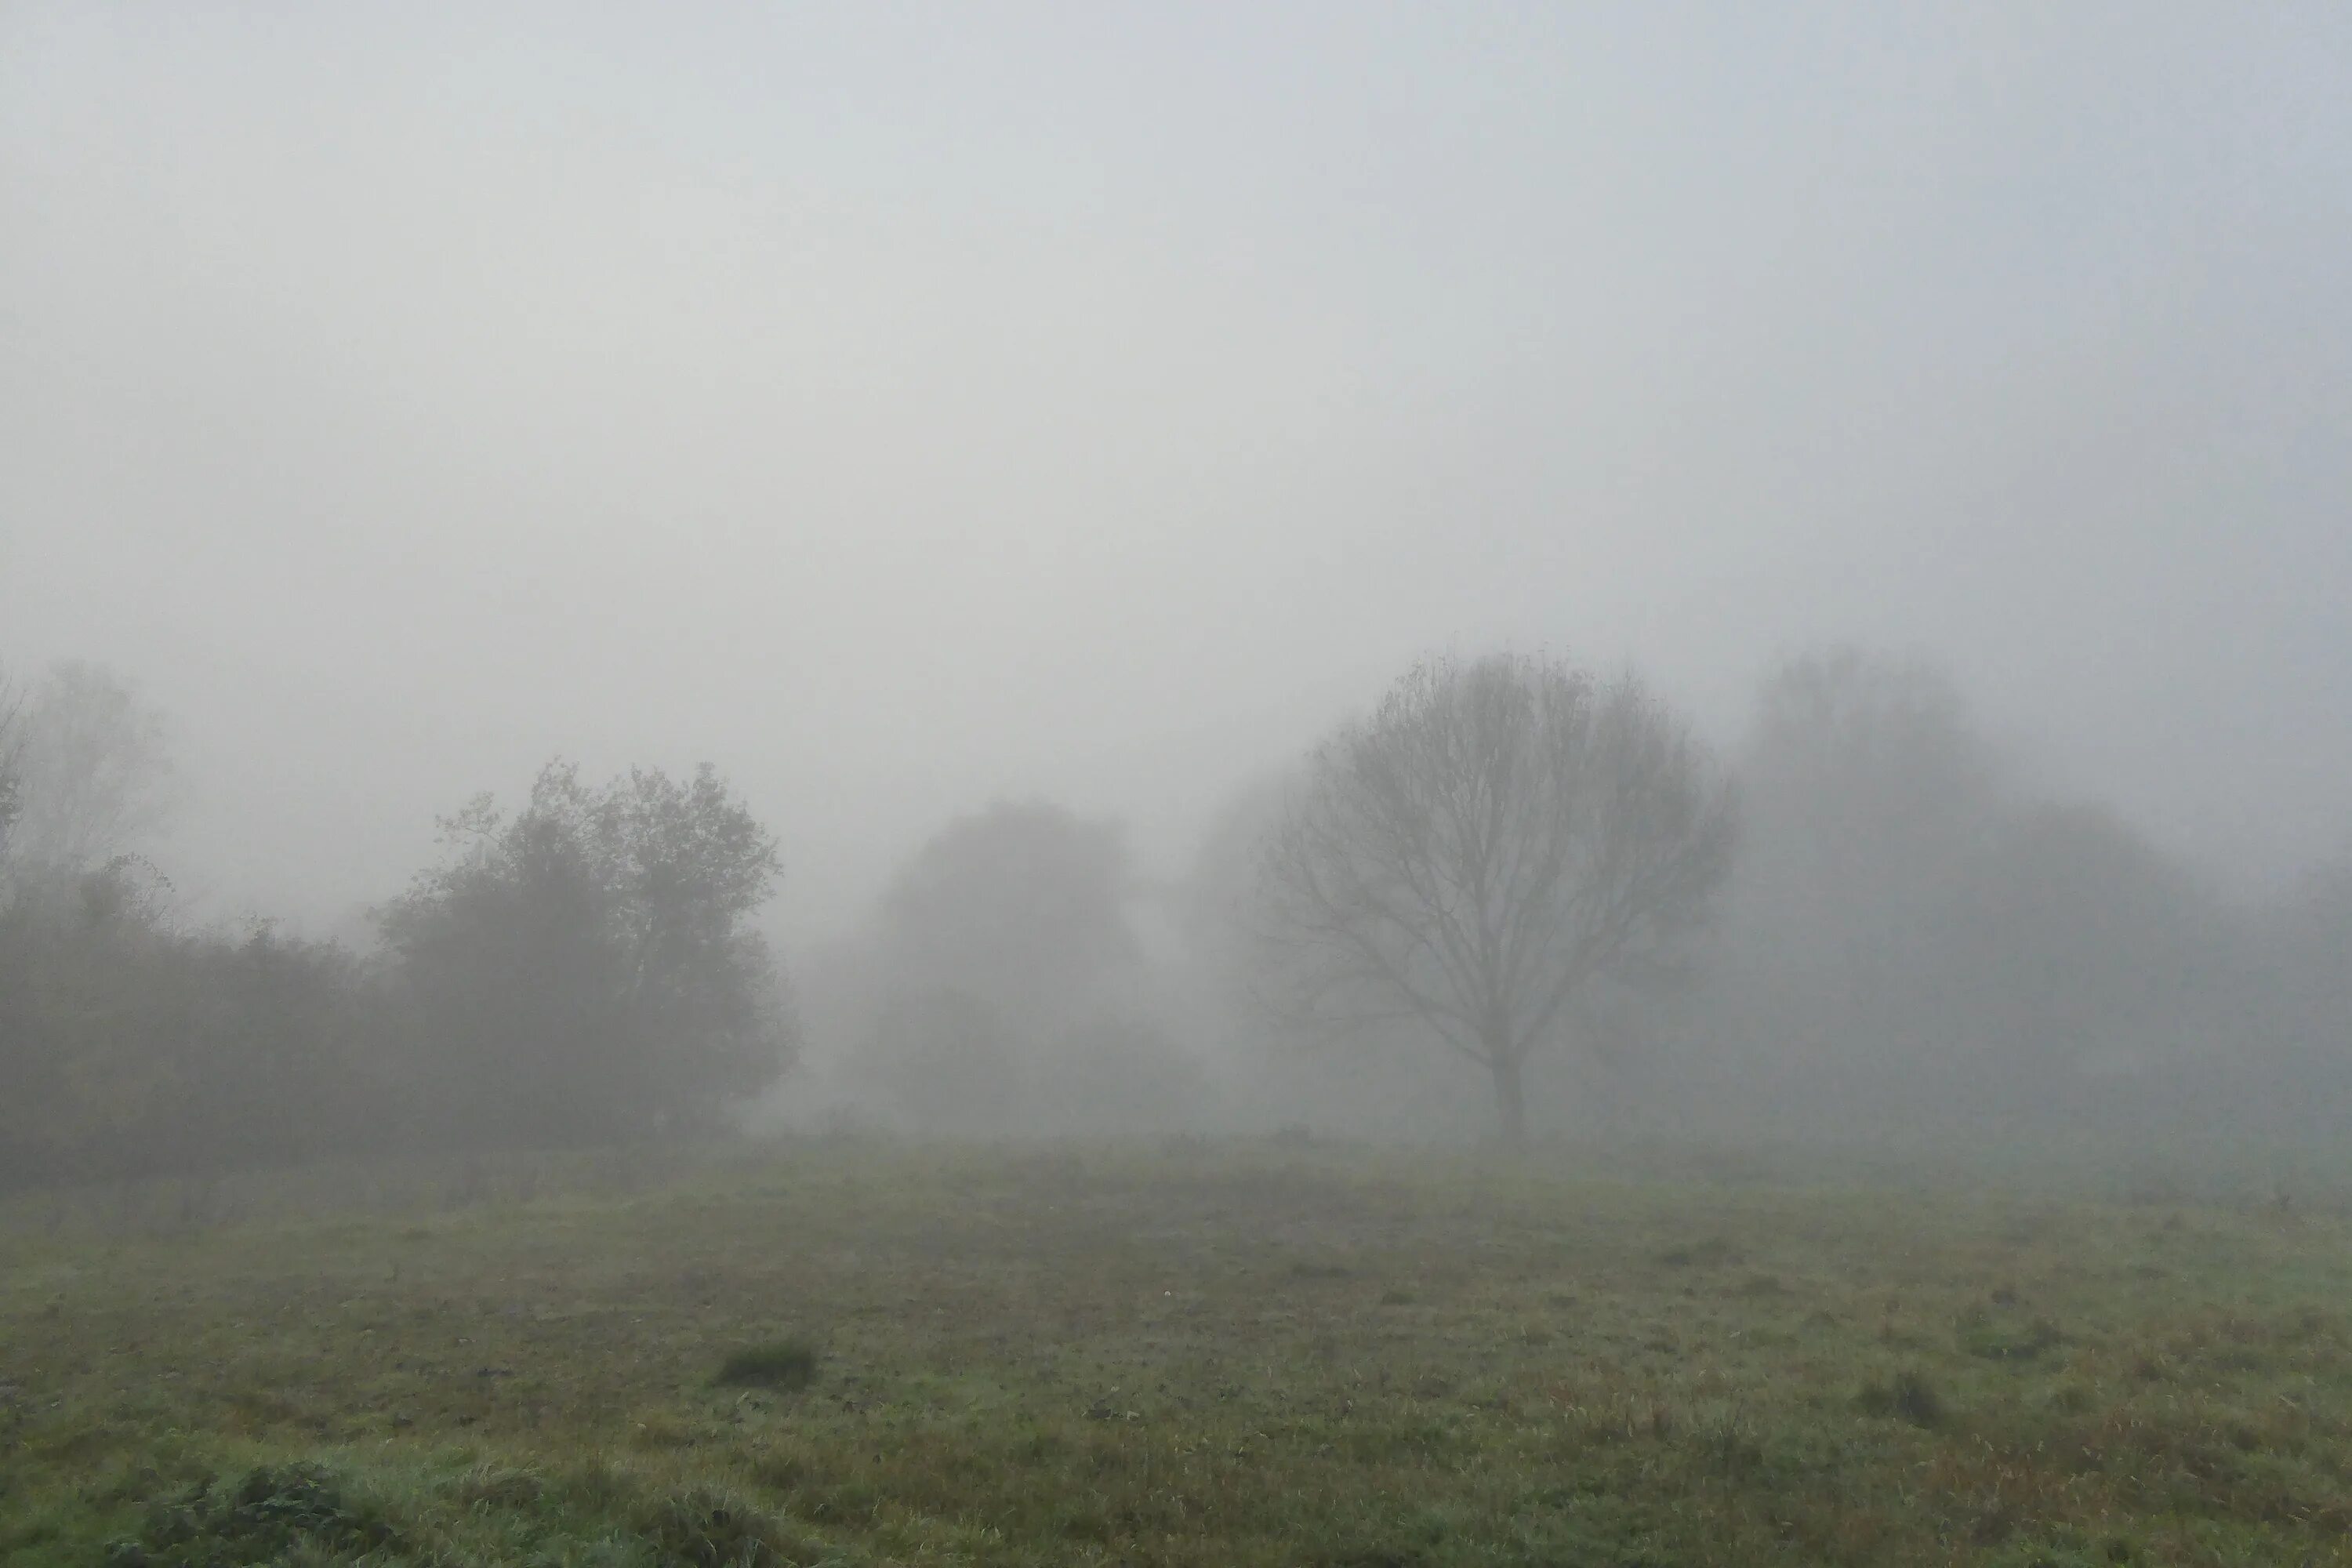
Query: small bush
[780, 1363]
[1908, 1396]
[708, 1530]
[489, 1486]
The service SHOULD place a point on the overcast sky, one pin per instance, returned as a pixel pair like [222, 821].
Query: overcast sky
[900, 407]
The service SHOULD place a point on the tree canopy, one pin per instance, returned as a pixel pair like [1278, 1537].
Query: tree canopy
[589, 961]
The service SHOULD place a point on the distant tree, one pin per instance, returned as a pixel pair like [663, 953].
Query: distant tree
[12, 780]
[585, 971]
[2303, 962]
[1022, 906]
[1867, 784]
[1117, 1076]
[87, 1050]
[1913, 936]
[2311, 934]
[942, 1060]
[91, 772]
[1006, 988]
[130, 1046]
[1497, 837]
[1867, 793]
[2074, 944]
[288, 1046]
[90, 1042]
[1217, 902]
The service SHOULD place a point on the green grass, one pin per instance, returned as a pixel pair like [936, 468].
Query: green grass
[1252, 1354]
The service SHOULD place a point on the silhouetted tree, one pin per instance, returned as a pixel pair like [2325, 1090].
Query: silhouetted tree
[1494, 840]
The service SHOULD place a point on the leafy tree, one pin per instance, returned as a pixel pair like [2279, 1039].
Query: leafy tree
[1497, 838]
[94, 1049]
[943, 1060]
[586, 970]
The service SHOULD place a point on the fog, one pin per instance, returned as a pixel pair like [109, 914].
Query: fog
[909, 409]
[902, 408]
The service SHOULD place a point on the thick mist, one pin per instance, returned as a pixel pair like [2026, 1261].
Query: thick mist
[1003, 448]
[905, 410]
[1330, 784]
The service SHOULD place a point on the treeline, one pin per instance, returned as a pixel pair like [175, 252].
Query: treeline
[1513, 895]
[1862, 921]
[1917, 933]
[581, 971]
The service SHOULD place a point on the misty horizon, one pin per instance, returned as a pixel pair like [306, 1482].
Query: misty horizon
[907, 412]
[1330, 784]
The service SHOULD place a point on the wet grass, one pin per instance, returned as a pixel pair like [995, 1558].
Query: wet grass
[1204, 1355]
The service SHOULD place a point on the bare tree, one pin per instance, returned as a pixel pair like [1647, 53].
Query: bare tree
[1496, 838]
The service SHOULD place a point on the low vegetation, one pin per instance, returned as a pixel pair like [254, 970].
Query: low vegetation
[779, 1363]
[843, 1353]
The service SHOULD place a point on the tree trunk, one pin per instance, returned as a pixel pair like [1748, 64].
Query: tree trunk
[1510, 1097]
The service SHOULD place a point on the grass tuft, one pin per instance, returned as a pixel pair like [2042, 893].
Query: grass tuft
[710, 1529]
[1908, 1394]
[272, 1512]
[778, 1363]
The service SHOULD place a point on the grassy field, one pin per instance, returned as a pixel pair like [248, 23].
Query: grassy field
[837, 1353]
